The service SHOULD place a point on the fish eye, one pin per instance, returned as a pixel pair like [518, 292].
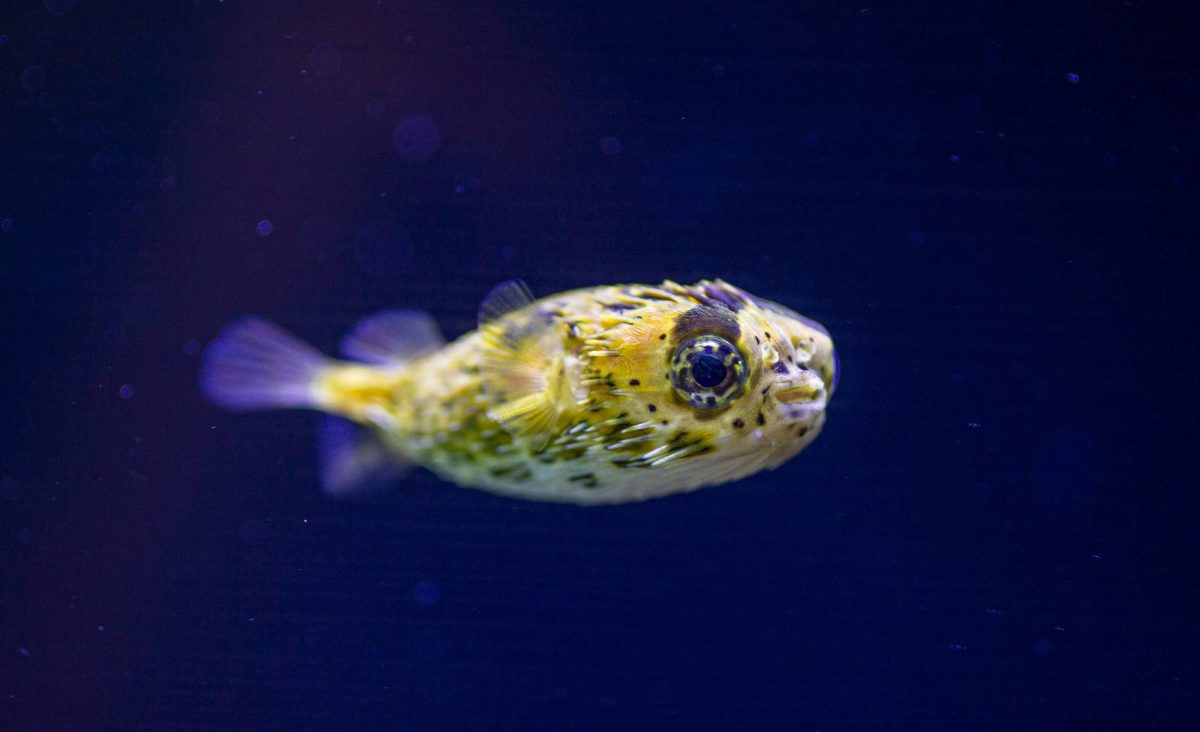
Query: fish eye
[708, 372]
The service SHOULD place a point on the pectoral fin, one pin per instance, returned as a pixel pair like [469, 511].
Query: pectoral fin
[522, 364]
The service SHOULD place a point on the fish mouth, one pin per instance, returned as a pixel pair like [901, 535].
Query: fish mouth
[804, 393]
[801, 400]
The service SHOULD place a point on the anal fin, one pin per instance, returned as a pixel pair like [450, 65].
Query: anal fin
[354, 461]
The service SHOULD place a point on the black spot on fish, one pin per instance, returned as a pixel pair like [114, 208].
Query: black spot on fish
[652, 408]
[780, 367]
[634, 382]
[662, 336]
[739, 423]
[761, 419]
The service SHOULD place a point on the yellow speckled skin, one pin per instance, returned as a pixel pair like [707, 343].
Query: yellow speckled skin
[600, 420]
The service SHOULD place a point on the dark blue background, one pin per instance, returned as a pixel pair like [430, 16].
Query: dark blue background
[993, 210]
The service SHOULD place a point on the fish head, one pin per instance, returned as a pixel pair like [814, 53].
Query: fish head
[733, 383]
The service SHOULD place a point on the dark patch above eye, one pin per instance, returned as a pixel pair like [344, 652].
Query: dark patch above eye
[707, 319]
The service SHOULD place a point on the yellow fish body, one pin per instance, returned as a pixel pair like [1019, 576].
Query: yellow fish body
[599, 395]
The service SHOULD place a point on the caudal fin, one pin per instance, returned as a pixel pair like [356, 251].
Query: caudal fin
[254, 364]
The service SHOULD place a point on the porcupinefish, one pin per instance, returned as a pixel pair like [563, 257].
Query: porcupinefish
[593, 396]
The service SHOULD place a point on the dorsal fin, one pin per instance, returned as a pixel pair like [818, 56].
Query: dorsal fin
[507, 297]
[391, 337]
[522, 361]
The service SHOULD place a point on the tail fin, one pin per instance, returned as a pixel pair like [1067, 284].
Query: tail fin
[253, 364]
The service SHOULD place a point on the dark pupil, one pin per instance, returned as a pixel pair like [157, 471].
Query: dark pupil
[708, 371]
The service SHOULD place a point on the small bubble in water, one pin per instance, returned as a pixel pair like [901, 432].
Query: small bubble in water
[23, 651]
[1073, 78]
[416, 138]
[264, 227]
[1041, 648]
[954, 158]
[610, 146]
[6, 225]
[32, 78]
[426, 592]
[126, 391]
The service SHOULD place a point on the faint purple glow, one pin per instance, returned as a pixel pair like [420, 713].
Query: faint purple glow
[325, 60]
[416, 138]
[23, 652]
[32, 78]
[59, 8]
[126, 391]
[954, 158]
[6, 225]
[610, 146]
[426, 592]
[1073, 77]
[264, 228]
[1041, 648]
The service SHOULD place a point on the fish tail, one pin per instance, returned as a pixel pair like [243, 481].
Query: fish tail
[254, 364]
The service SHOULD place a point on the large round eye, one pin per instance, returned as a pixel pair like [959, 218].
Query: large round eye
[708, 372]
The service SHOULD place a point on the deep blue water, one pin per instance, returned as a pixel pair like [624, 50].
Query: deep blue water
[992, 209]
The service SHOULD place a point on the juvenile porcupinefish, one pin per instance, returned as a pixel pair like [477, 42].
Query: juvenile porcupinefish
[598, 395]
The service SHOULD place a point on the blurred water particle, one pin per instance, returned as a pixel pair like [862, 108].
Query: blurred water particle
[59, 8]
[126, 391]
[32, 78]
[610, 146]
[426, 592]
[1041, 648]
[264, 227]
[6, 225]
[325, 60]
[375, 109]
[416, 139]
[1073, 78]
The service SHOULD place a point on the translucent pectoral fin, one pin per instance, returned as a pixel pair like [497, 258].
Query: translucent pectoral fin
[522, 364]
[354, 461]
